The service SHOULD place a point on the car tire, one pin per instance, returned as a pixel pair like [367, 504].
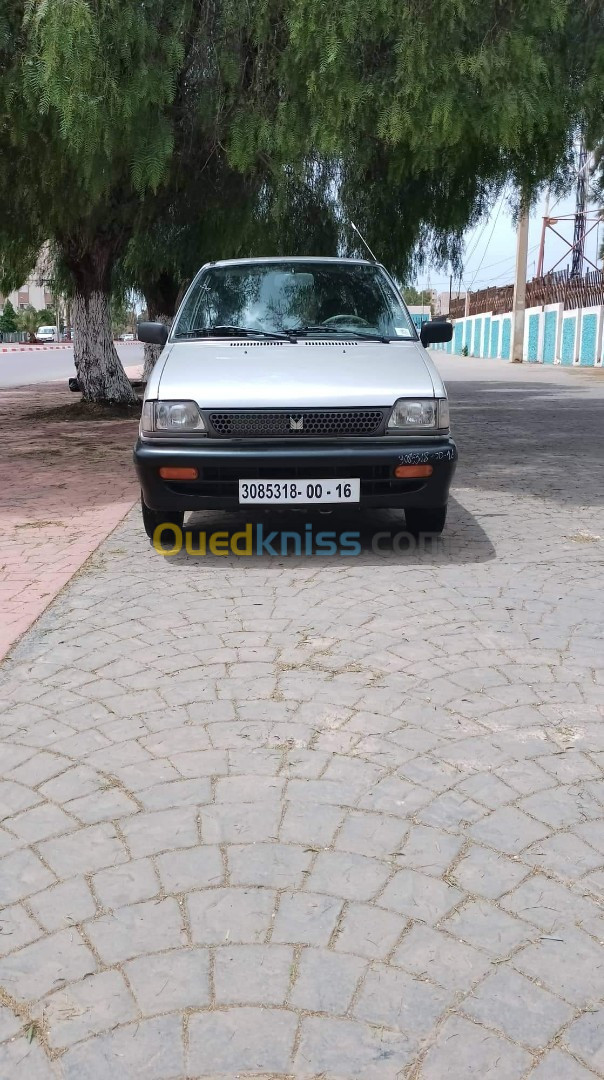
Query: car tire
[422, 520]
[153, 518]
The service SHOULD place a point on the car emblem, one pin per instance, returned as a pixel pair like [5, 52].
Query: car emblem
[296, 425]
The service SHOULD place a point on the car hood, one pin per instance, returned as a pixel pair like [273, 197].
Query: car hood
[311, 374]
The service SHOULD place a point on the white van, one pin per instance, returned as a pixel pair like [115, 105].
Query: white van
[45, 334]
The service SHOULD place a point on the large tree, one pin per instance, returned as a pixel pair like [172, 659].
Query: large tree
[143, 113]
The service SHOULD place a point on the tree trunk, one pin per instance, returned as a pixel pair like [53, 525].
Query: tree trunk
[163, 295]
[151, 352]
[100, 373]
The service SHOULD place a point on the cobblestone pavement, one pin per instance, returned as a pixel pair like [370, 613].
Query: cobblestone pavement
[337, 818]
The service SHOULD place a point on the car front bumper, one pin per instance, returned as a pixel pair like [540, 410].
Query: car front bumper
[221, 466]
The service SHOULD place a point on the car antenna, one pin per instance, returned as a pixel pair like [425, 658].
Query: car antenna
[363, 240]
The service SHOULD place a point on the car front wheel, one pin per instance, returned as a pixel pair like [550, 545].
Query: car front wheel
[153, 518]
[422, 520]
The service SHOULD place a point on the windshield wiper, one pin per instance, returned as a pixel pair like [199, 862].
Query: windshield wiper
[301, 330]
[226, 329]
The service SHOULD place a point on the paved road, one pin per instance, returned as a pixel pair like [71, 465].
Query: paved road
[338, 818]
[38, 365]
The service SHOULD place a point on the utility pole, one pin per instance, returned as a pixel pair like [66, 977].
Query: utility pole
[520, 287]
[450, 290]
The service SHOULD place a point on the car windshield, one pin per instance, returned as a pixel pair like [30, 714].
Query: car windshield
[311, 298]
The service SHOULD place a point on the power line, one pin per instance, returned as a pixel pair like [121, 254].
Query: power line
[490, 236]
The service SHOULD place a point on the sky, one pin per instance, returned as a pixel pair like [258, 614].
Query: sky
[491, 248]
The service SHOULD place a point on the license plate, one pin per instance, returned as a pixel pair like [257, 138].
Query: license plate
[299, 491]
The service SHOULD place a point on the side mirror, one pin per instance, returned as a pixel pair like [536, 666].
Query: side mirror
[435, 333]
[153, 333]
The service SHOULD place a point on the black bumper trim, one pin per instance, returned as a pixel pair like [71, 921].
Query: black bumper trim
[221, 466]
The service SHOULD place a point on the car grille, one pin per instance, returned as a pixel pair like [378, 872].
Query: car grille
[307, 423]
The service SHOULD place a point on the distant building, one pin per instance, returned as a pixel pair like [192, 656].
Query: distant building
[440, 300]
[35, 291]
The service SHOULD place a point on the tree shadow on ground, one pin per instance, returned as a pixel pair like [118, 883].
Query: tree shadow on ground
[542, 439]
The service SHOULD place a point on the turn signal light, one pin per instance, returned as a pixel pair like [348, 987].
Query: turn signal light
[412, 472]
[168, 473]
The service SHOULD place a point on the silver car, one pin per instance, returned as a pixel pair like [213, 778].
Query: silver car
[294, 382]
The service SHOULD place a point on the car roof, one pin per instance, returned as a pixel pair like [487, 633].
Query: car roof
[290, 259]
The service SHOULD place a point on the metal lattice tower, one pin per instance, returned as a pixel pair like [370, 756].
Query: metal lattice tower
[580, 221]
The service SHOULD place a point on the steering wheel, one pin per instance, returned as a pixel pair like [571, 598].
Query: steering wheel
[343, 320]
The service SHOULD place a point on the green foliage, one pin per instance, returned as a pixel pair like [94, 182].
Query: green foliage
[8, 319]
[415, 296]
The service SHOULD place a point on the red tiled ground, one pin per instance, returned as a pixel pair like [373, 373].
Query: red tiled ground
[64, 486]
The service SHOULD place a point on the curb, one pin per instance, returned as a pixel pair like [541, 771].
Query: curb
[60, 345]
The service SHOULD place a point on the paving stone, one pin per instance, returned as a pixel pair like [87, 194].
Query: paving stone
[74, 783]
[87, 1008]
[353, 877]
[168, 981]
[38, 768]
[252, 974]
[83, 851]
[197, 868]
[40, 822]
[463, 1049]
[560, 808]
[16, 929]
[368, 931]
[20, 1060]
[488, 874]
[15, 797]
[226, 824]
[585, 1038]
[325, 981]
[145, 1050]
[274, 865]
[549, 905]
[488, 789]
[64, 904]
[396, 797]
[249, 789]
[306, 918]
[524, 1012]
[161, 830]
[419, 896]
[508, 830]
[371, 834]
[303, 825]
[486, 926]
[173, 793]
[559, 1066]
[200, 763]
[451, 810]
[433, 954]
[22, 873]
[397, 1000]
[41, 967]
[233, 915]
[572, 968]
[429, 850]
[102, 805]
[142, 928]
[126, 884]
[350, 1051]
[10, 1025]
[241, 1040]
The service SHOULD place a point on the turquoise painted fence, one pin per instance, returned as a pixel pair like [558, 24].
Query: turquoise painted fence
[494, 339]
[589, 331]
[467, 339]
[477, 337]
[533, 338]
[458, 342]
[569, 333]
[549, 337]
[506, 338]
[487, 336]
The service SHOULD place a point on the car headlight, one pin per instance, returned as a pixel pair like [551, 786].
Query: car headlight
[171, 418]
[422, 415]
